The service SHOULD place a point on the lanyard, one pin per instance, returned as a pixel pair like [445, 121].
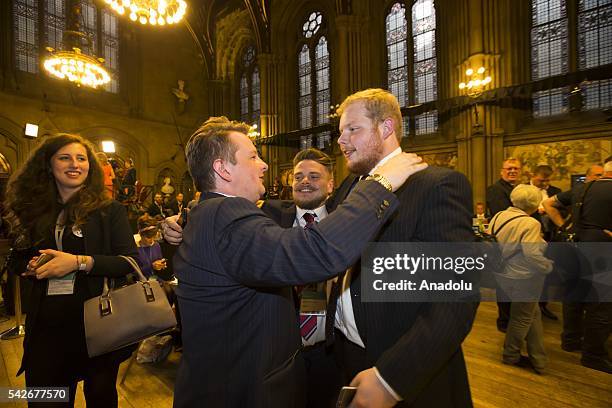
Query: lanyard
[60, 226]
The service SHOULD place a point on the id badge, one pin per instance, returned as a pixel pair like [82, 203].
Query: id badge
[61, 286]
[313, 299]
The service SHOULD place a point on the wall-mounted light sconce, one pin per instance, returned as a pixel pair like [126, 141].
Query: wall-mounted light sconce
[108, 146]
[31, 130]
[253, 133]
[477, 82]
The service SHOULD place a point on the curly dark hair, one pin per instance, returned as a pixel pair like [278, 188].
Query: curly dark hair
[32, 199]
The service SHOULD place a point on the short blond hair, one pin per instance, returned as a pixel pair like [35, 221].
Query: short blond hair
[380, 104]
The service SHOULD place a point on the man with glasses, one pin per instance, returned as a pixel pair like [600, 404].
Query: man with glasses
[498, 199]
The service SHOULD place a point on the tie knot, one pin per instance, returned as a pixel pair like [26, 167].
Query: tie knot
[309, 218]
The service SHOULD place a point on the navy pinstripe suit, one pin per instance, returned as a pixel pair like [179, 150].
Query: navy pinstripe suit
[235, 268]
[417, 346]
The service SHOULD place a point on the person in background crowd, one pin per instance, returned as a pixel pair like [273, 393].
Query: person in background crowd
[541, 179]
[149, 251]
[498, 199]
[585, 325]
[129, 179]
[481, 212]
[109, 174]
[176, 206]
[523, 277]
[157, 208]
[57, 201]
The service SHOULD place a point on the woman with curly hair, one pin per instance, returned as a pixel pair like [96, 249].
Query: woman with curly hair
[57, 202]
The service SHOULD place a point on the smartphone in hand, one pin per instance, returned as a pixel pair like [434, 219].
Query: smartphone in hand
[346, 396]
[43, 259]
[182, 219]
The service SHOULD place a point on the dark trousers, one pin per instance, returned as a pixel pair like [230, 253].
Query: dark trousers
[589, 324]
[99, 382]
[323, 377]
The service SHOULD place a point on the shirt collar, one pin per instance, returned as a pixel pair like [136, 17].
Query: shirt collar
[320, 213]
[385, 159]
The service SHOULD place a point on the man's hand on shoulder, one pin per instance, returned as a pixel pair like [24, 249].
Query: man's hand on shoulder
[371, 393]
[400, 167]
[173, 233]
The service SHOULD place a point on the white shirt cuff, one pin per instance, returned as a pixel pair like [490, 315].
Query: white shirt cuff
[387, 386]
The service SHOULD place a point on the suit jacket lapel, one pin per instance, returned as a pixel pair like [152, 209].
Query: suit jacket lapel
[288, 217]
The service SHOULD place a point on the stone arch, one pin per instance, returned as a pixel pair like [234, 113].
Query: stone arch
[234, 31]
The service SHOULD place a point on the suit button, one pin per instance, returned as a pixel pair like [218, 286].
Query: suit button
[385, 203]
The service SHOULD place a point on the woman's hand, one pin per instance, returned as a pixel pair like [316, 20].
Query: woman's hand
[62, 264]
[159, 264]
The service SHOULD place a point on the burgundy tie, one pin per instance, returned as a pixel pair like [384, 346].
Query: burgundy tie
[309, 218]
[308, 323]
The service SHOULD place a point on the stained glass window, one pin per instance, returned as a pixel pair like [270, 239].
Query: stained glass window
[256, 96]
[55, 19]
[397, 55]
[25, 15]
[110, 48]
[322, 80]
[28, 40]
[421, 85]
[250, 95]
[597, 94]
[426, 123]
[313, 61]
[549, 54]
[312, 25]
[595, 48]
[424, 39]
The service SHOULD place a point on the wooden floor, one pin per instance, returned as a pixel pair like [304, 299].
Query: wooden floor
[565, 384]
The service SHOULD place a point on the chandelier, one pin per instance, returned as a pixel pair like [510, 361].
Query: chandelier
[154, 12]
[71, 63]
[82, 69]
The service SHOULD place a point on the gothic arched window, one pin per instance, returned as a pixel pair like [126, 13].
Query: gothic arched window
[29, 40]
[595, 48]
[313, 73]
[250, 101]
[549, 54]
[412, 77]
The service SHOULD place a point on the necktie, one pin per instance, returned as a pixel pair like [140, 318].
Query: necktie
[309, 218]
[308, 323]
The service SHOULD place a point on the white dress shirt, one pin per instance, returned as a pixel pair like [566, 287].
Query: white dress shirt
[319, 214]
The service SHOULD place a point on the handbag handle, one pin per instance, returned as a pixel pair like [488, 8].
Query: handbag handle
[135, 267]
[105, 299]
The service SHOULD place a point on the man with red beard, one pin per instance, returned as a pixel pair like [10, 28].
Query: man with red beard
[407, 354]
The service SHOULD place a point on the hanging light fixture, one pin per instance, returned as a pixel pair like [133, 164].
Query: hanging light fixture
[72, 64]
[154, 12]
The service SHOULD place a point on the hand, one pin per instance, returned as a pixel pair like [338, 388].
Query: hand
[62, 264]
[159, 264]
[173, 233]
[400, 167]
[370, 391]
[609, 233]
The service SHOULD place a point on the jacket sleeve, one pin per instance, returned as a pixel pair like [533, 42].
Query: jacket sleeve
[440, 328]
[534, 246]
[496, 199]
[116, 229]
[257, 252]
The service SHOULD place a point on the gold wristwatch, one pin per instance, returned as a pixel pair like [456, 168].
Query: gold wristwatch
[382, 180]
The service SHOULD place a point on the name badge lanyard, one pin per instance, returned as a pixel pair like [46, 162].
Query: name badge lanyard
[65, 284]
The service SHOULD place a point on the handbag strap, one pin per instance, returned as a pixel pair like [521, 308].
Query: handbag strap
[134, 266]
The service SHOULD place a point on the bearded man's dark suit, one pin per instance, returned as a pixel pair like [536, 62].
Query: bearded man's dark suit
[416, 347]
[236, 268]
